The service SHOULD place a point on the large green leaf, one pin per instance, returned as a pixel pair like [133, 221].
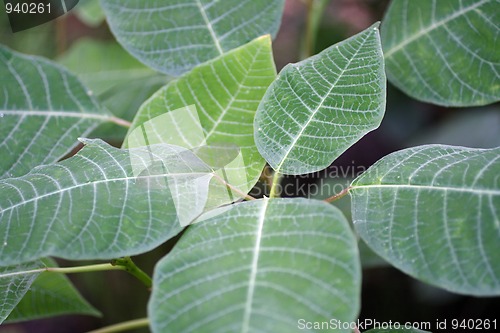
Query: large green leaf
[43, 110]
[319, 107]
[15, 281]
[444, 51]
[434, 212]
[103, 202]
[215, 103]
[51, 294]
[260, 266]
[119, 81]
[174, 36]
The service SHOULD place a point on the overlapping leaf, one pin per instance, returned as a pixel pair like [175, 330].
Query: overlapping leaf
[318, 108]
[259, 267]
[444, 51]
[14, 284]
[434, 212]
[103, 202]
[50, 294]
[173, 36]
[43, 109]
[213, 104]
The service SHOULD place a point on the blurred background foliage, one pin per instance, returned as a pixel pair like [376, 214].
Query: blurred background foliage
[82, 42]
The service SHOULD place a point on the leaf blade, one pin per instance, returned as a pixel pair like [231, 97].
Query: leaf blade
[93, 205]
[45, 108]
[213, 104]
[444, 52]
[436, 205]
[311, 114]
[14, 286]
[51, 294]
[257, 267]
[196, 30]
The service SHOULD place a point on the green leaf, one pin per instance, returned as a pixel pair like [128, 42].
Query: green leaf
[213, 104]
[444, 52]
[15, 281]
[434, 212]
[319, 107]
[102, 203]
[44, 109]
[51, 294]
[119, 81]
[174, 36]
[259, 266]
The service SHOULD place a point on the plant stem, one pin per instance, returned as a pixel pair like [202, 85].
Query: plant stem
[68, 270]
[128, 265]
[338, 195]
[125, 326]
[274, 187]
[83, 269]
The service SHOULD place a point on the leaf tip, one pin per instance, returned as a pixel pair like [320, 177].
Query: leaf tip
[375, 26]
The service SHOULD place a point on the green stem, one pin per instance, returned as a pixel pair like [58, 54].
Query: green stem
[83, 269]
[128, 265]
[68, 270]
[125, 326]
[274, 187]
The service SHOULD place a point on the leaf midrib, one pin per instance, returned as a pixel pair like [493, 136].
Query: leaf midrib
[233, 97]
[315, 111]
[209, 27]
[253, 272]
[433, 26]
[93, 183]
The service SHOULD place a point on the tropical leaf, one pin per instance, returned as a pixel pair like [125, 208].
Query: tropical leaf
[15, 281]
[444, 52]
[319, 107]
[434, 212]
[173, 36]
[259, 266]
[102, 203]
[44, 109]
[51, 294]
[214, 104]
